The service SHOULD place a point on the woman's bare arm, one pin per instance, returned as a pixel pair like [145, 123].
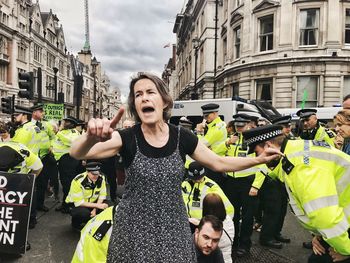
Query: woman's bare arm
[230, 164]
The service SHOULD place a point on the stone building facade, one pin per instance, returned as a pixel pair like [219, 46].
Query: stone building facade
[282, 51]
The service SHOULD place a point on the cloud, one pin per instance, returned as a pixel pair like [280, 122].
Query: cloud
[125, 36]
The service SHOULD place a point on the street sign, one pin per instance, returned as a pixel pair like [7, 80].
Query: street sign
[15, 201]
[54, 111]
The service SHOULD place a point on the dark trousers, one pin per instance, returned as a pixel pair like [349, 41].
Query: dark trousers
[237, 191]
[109, 169]
[217, 177]
[67, 167]
[49, 166]
[325, 258]
[80, 215]
[274, 205]
[32, 215]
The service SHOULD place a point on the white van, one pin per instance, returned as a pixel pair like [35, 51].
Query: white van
[228, 107]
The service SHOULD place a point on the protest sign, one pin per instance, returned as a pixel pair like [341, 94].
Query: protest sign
[15, 200]
[54, 111]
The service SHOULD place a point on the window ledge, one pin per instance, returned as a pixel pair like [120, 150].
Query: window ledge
[268, 52]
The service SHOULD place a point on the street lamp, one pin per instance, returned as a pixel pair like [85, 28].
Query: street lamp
[196, 44]
[94, 64]
[55, 70]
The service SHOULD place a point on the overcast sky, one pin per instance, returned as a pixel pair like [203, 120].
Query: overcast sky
[126, 36]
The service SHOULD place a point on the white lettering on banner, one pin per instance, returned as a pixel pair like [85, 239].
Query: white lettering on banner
[3, 181]
[6, 212]
[11, 197]
[6, 238]
[8, 225]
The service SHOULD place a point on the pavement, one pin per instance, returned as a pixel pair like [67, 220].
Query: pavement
[53, 240]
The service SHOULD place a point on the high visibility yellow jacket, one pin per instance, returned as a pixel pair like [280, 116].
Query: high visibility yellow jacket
[29, 135]
[194, 193]
[321, 134]
[94, 238]
[63, 141]
[239, 149]
[83, 190]
[215, 135]
[30, 160]
[47, 136]
[317, 179]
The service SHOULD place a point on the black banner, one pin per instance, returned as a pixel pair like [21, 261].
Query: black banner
[15, 200]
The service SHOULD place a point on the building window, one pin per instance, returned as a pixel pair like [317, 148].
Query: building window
[237, 41]
[347, 26]
[60, 85]
[346, 89]
[5, 19]
[68, 71]
[68, 92]
[3, 72]
[37, 27]
[22, 10]
[235, 89]
[51, 37]
[21, 53]
[224, 49]
[50, 63]
[264, 90]
[50, 82]
[35, 73]
[309, 22]
[22, 27]
[61, 67]
[266, 33]
[225, 4]
[307, 91]
[37, 52]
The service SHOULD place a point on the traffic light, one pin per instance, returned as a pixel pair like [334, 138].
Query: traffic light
[26, 85]
[7, 105]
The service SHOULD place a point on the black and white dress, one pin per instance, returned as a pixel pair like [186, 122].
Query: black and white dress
[152, 223]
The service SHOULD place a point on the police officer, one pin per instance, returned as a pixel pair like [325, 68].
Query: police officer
[67, 165]
[87, 192]
[241, 187]
[286, 123]
[196, 187]
[212, 132]
[94, 238]
[317, 181]
[17, 158]
[47, 135]
[28, 134]
[311, 128]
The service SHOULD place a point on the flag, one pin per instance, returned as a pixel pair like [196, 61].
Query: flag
[167, 45]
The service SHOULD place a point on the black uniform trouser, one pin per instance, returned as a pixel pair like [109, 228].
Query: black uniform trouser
[237, 191]
[49, 166]
[325, 258]
[274, 206]
[217, 177]
[109, 169]
[67, 167]
[80, 215]
[32, 215]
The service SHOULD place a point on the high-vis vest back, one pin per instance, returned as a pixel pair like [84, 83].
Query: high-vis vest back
[63, 142]
[92, 246]
[193, 197]
[317, 179]
[29, 135]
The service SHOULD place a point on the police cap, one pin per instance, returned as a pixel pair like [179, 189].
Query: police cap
[195, 171]
[22, 110]
[240, 120]
[184, 122]
[306, 113]
[93, 167]
[71, 119]
[284, 120]
[39, 106]
[261, 134]
[9, 158]
[209, 108]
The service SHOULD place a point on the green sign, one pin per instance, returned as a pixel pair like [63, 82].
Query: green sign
[54, 111]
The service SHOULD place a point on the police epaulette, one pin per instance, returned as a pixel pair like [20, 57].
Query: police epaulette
[329, 133]
[287, 166]
[79, 177]
[24, 152]
[102, 230]
[209, 184]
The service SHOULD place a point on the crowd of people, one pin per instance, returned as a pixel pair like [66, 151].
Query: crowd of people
[193, 192]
